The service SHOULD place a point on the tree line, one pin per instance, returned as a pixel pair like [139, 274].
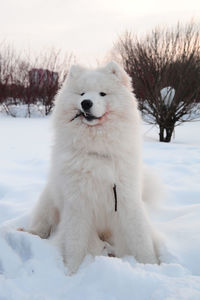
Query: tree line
[27, 80]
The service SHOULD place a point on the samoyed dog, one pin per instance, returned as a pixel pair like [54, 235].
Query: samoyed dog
[93, 199]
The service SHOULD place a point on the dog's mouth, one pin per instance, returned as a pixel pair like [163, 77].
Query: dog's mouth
[89, 117]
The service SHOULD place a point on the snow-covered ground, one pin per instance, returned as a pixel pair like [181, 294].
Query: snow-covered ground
[32, 269]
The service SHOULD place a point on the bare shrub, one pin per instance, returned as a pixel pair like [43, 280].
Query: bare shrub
[165, 71]
[31, 81]
[47, 76]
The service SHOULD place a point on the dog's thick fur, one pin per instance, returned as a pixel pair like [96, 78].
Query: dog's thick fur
[77, 206]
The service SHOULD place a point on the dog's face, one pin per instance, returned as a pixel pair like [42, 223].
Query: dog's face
[93, 95]
[93, 100]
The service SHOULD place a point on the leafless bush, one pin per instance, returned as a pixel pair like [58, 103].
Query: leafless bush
[48, 74]
[28, 81]
[8, 62]
[165, 71]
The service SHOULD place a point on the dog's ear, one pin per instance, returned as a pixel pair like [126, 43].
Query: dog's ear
[118, 72]
[75, 71]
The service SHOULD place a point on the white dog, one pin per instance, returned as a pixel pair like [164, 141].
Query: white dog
[92, 202]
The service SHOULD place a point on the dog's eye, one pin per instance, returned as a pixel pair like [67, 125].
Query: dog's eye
[82, 94]
[102, 94]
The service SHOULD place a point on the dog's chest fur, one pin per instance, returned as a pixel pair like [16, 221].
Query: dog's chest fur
[96, 180]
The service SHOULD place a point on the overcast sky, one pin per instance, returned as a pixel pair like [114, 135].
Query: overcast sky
[87, 28]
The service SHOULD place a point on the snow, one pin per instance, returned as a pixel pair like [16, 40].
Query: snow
[22, 110]
[31, 268]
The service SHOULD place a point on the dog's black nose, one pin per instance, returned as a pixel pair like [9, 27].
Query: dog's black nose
[86, 104]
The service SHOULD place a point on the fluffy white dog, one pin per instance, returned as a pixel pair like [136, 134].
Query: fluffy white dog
[92, 202]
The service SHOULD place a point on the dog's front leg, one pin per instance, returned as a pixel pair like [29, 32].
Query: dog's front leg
[137, 231]
[73, 237]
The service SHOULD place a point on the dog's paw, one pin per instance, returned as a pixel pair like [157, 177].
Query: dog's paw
[42, 235]
[24, 230]
[108, 250]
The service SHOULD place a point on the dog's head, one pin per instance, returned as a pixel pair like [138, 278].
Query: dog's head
[93, 96]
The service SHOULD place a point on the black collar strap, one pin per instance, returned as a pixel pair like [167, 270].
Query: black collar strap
[115, 196]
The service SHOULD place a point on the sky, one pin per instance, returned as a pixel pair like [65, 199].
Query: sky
[86, 28]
